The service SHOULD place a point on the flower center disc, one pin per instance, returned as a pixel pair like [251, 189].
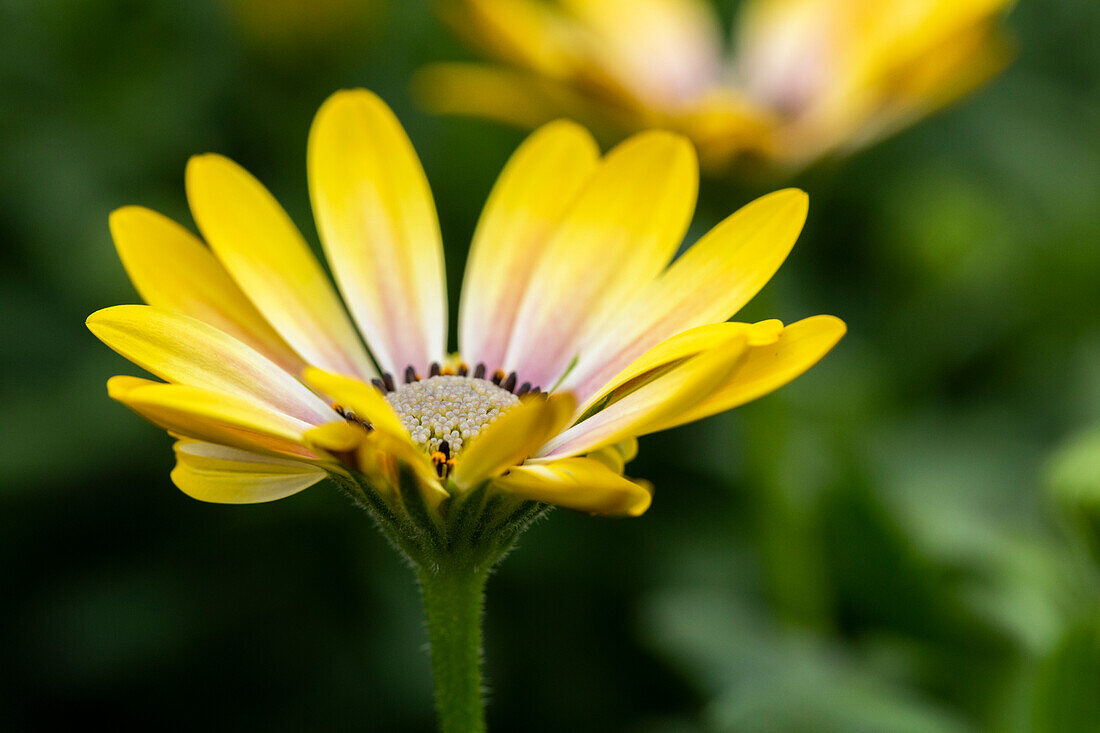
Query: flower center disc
[449, 408]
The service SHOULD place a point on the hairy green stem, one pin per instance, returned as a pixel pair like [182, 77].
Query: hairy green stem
[453, 596]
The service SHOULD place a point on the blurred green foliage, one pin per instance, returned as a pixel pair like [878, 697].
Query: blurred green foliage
[905, 539]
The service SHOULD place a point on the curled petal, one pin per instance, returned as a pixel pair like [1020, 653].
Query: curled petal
[334, 437]
[645, 400]
[770, 366]
[361, 398]
[583, 484]
[617, 455]
[512, 438]
[669, 353]
[388, 436]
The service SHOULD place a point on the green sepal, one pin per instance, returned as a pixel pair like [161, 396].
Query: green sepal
[473, 528]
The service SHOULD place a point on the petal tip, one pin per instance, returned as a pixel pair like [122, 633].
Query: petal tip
[105, 316]
[676, 147]
[797, 198]
[122, 385]
[124, 215]
[564, 126]
[351, 94]
[840, 326]
[641, 506]
[202, 165]
[830, 323]
[352, 100]
[97, 318]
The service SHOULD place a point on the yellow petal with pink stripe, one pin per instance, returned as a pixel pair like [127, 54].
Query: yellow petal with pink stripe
[379, 229]
[525, 208]
[171, 269]
[768, 367]
[213, 417]
[583, 484]
[266, 255]
[709, 283]
[223, 475]
[671, 385]
[625, 227]
[666, 52]
[183, 350]
[671, 352]
[512, 438]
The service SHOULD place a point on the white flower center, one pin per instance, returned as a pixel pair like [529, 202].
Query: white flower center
[454, 409]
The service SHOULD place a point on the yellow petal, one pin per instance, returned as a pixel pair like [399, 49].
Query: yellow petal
[335, 437]
[512, 438]
[644, 402]
[708, 284]
[724, 124]
[768, 367]
[380, 442]
[215, 473]
[173, 270]
[616, 456]
[264, 252]
[183, 350]
[533, 193]
[375, 454]
[213, 417]
[389, 436]
[626, 225]
[526, 33]
[946, 72]
[837, 67]
[361, 398]
[577, 483]
[379, 229]
[766, 332]
[664, 51]
[513, 97]
[667, 354]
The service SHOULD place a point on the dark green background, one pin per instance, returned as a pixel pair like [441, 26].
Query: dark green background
[903, 540]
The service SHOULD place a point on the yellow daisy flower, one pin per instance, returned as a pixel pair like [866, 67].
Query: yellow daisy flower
[576, 334]
[807, 77]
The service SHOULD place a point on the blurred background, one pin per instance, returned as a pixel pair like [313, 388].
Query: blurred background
[905, 539]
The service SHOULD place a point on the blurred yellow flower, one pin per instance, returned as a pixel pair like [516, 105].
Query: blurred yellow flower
[577, 334]
[806, 78]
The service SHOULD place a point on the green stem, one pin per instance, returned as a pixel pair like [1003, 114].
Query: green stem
[453, 596]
